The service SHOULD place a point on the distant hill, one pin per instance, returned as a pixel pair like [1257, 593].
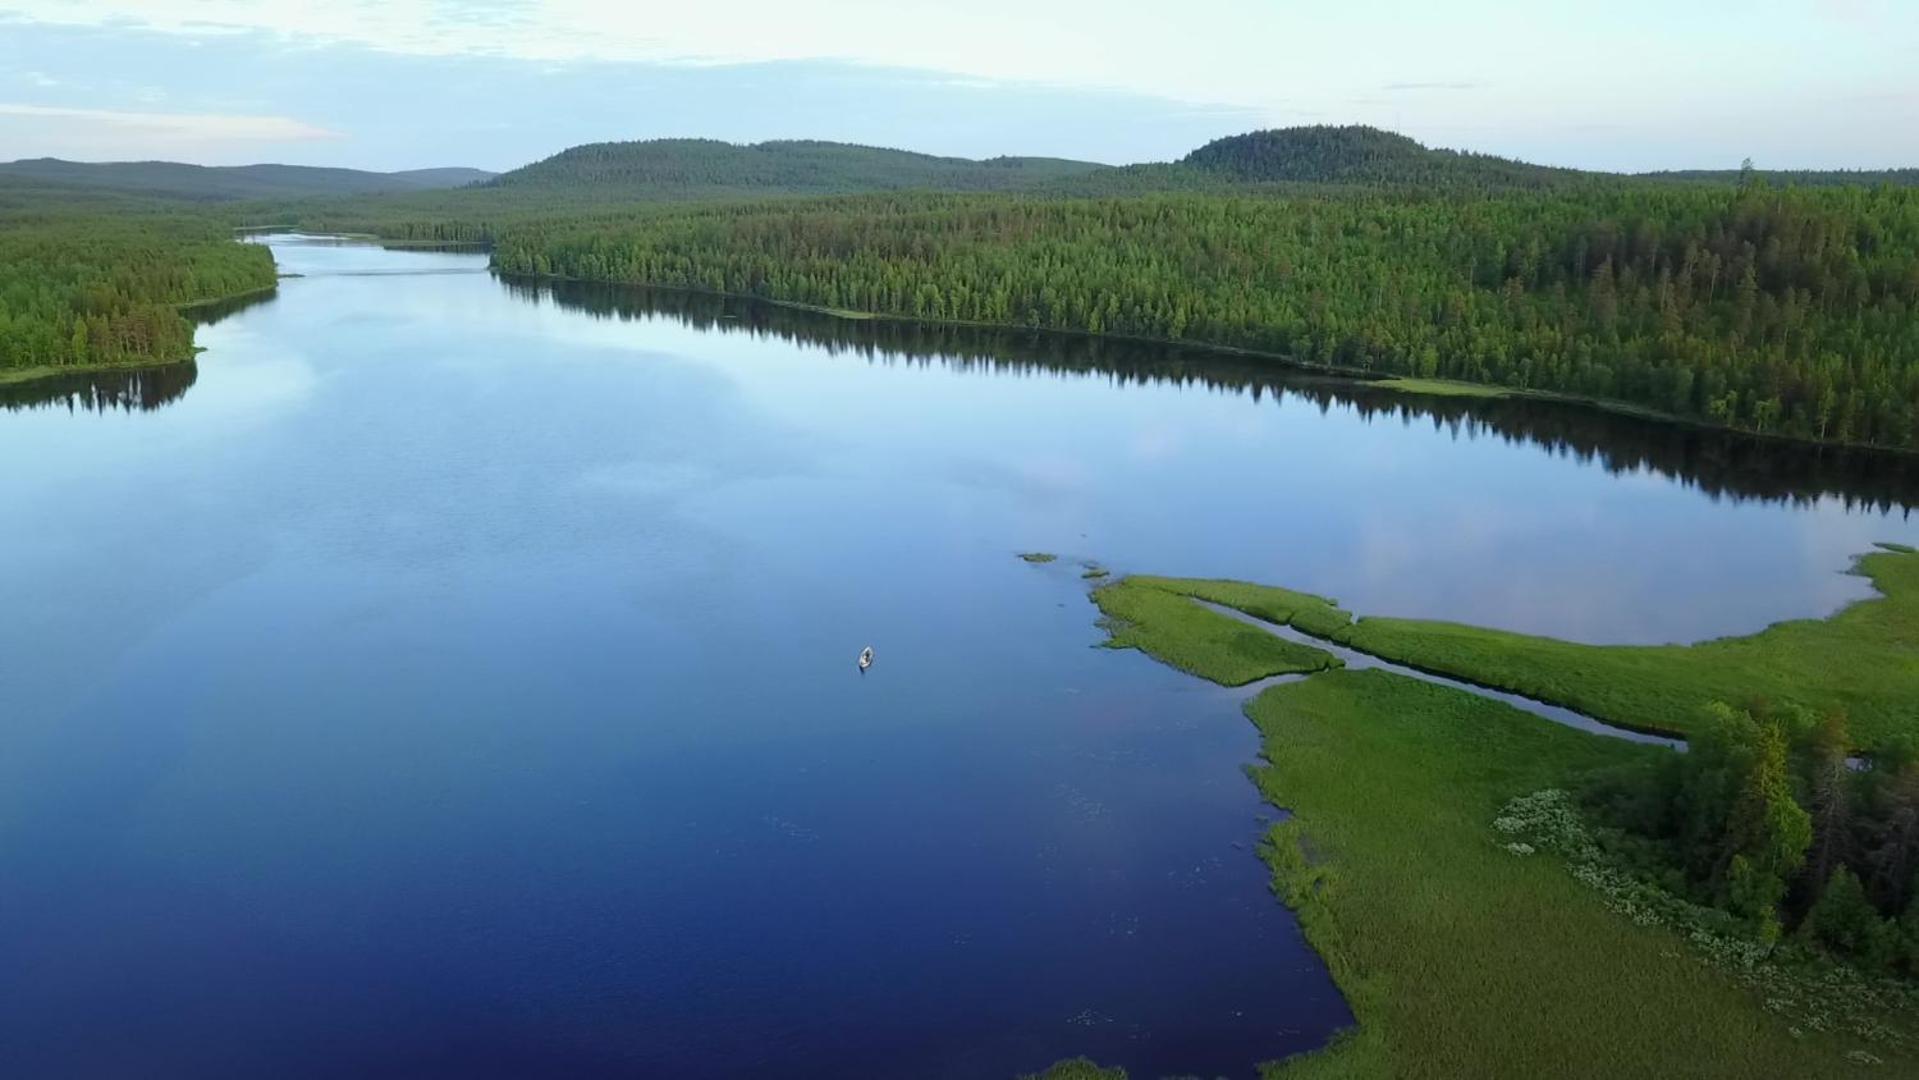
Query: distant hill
[1362, 155]
[168, 179]
[442, 178]
[698, 168]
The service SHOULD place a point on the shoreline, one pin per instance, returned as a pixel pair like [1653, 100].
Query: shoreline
[1404, 384]
[1463, 954]
[16, 376]
[209, 301]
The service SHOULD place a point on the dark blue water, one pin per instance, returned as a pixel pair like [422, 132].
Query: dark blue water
[456, 678]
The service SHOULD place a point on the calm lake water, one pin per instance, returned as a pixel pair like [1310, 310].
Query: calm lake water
[455, 677]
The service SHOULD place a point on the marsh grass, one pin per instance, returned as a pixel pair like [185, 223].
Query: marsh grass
[1172, 628]
[1865, 659]
[1467, 948]
[1458, 958]
[1808, 989]
[1443, 388]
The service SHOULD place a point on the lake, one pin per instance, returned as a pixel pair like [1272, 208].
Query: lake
[453, 676]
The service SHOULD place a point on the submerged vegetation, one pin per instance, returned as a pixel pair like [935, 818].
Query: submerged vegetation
[1499, 896]
[1077, 1069]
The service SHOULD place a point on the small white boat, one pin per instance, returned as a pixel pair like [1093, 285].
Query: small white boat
[866, 658]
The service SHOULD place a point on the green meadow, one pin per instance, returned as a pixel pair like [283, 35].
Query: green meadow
[1865, 659]
[1463, 953]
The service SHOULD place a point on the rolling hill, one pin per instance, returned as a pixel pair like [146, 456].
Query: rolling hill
[1361, 155]
[168, 179]
[691, 168]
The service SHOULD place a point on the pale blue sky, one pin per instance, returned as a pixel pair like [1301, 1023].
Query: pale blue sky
[1626, 84]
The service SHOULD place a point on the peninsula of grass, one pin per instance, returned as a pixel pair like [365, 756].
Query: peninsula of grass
[1459, 955]
[1198, 641]
[1865, 659]
[1442, 388]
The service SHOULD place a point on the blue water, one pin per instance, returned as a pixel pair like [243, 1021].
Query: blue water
[455, 678]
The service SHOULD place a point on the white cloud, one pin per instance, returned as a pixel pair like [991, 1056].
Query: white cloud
[196, 127]
[1276, 55]
[110, 134]
[1705, 88]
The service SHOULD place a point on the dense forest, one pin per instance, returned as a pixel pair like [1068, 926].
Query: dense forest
[684, 166]
[1794, 177]
[1782, 311]
[1722, 464]
[612, 181]
[1362, 155]
[82, 289]
[607, 180]
[1774, 309]
[1766, 819]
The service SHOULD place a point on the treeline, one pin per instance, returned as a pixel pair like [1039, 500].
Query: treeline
[1766, 819]
[1721, 464]
[82, 289]
[1780, 311]
[1792, 177]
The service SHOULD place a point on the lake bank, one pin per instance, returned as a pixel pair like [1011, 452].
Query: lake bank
[541, 527]
[1460, 954]
[197, 309]
[1410, 386]
[1863, 657]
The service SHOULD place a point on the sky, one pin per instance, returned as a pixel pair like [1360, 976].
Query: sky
[395, 84]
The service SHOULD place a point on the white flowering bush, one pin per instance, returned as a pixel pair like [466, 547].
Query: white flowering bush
[1813, 993]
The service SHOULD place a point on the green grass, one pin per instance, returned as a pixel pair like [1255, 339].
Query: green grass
[1195, 640]
[32, 374]
[1442, 388]
[1460, 959]
[1864, 659]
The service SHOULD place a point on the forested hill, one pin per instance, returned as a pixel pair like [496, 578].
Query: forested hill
[174, 180]
[675, 168]
[1362, 155]
[1782, 311]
